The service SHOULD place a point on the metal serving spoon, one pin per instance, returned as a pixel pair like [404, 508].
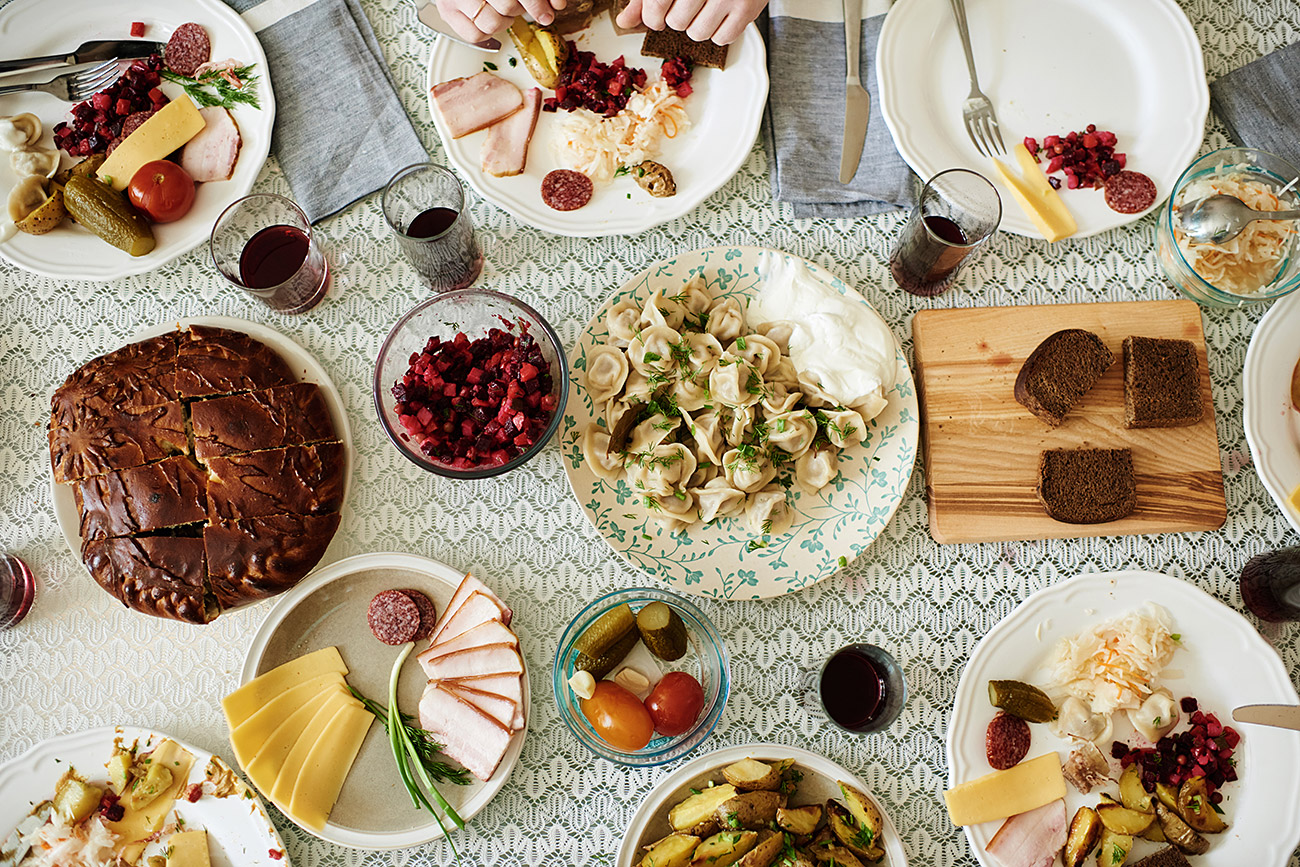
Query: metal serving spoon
[1219, 219]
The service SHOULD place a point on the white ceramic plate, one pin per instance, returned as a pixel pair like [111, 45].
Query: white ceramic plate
[1272, 423]
[725, 111]
[300, 361]
[650, 821]
[1050, 66]
[329, 608]
[831, 528]
[240, 833]
[28, 28]
[1223, 662]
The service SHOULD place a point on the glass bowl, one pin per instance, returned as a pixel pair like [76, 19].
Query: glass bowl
[472, 312]
[1257, 165]
[706, 659]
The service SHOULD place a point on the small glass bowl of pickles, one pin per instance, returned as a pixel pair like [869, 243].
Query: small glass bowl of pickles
[641, 676]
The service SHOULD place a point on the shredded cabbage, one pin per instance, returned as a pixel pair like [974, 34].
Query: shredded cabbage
[1115, 665]
[58, 844]
[1247, 263]
[598, 146]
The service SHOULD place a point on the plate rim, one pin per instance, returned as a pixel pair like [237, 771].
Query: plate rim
[135, 266]
[892, 102]
[338, 570]
[1254, 416]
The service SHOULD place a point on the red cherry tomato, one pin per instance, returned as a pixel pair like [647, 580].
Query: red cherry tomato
[618, 716]
[675, 703]
[162, 190]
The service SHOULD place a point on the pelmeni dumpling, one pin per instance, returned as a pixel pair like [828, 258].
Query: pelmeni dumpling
[616, 409]
[34, 162]
[636, 388]
[691, 394]
[595, 451]
[779, 331]
[768, 512]
[814, 469]
[871, 406]
[695, 298]
[607, 369]
[650, 433]
[760, 352]
[623, 321]
[783, 373]
[26, 196]
[735, 383]
[664, 469]
[705, 352]
[778, 400]
[844, 427]
[748, 471]
[674, 512]
[706, 430]
[663, 311]
[738, 423]
[726, 320]
[718, 499]
[19, 131]
[792, 432]
[651, 351]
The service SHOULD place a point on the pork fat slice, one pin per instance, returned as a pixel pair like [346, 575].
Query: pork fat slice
[211, 155]
[470, 104]
[490, 659]
[500, 709]
[1031, 839]
[468, 735]
[475, 611]
[468, 585]
[491, 632]
[505, 150]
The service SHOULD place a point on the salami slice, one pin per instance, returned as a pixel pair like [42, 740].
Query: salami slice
[394, 617]
[188, 49]
[566, 190]
[428, 614]
[1130, 192]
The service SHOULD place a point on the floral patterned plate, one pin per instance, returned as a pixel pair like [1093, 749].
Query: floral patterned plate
[724, 559]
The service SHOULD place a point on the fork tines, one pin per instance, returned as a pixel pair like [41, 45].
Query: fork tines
[84, 84]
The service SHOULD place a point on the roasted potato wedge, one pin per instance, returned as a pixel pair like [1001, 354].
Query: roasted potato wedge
[675, 850]
[862, 809]
[1085, 828]
[1113, 849]
[799, 821]
[699, 807]
[48, 216]
[724, 848]
[1154, 833]
[749, 810]
[543, 52]
[765, 852]
[1121, 820]
[855, 836]
[1179, 833]
[707, 828]
[839, 856]
[1195, 808]
[75, 799]
[1132, 794]
[751, 775]
[1168, 795]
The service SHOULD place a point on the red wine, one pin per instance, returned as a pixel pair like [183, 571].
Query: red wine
[924, 262]
[854, 689]
[272, 256]
[945, 229]
[431, 223]
[1270, 585]
[17, 590]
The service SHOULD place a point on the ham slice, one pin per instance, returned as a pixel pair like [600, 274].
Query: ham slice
[500, 709]
[467, 734]
[489, 659]
[211, 155]
[505, 150]
[1031, 839]
[491, 632]
[469, 104]
[468, 585]
[508, 686]
[478, 609]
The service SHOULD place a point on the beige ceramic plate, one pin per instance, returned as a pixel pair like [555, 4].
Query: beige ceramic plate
[329, 608]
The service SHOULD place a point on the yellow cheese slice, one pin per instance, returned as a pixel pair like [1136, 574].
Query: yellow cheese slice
[265, 766]
[243, 702]
[138, 823]
[327, 766]
[188, 849]
[1027, 786]
[1036, 197]
[1295, 497]
[281, 791]
[170, 127]
[247, 738]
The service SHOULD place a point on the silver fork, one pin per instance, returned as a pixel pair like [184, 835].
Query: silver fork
[72, 86]
[977, 111]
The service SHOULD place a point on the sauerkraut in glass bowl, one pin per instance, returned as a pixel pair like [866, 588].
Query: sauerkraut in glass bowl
[1261, 263]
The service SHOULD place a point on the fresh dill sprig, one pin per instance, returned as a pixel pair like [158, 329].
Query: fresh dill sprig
[425, 746]
[215, 87]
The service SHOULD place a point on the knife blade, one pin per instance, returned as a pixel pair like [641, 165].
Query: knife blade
[429, 17]
[857, 102]
[95, 51]
[1284, 716]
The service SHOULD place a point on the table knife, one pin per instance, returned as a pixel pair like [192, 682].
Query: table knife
[1284, 716]
[428, 15]
[857, 102]
[95, 51]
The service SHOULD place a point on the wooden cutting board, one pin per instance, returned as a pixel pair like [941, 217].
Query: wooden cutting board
[981, 448]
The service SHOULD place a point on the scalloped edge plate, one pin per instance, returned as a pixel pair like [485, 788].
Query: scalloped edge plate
[1272, 423]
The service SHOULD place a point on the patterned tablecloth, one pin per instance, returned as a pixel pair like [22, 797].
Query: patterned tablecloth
[80, 660]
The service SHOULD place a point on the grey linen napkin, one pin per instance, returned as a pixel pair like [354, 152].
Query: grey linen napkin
[804, 124]
[1260, 103]
[340, 131]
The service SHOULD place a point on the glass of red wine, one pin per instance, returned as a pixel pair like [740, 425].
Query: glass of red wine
[264, 244]
[17, 590]
[861, 688]
[959, 210]
[425, 206]
[1270, 585]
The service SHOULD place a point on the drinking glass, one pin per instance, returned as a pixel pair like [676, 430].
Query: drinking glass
[957, 212]
[1270, 585]
[264, 244]
[860, 688]
[424, 205]
[17, 590]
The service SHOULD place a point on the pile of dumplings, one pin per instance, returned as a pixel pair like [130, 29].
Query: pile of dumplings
[32, 166]
[709, 417]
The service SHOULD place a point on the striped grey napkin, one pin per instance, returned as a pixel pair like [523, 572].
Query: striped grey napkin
[1260, 103]
[340, 131]
[804, 125]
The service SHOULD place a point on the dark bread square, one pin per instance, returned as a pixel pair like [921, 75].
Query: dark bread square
[668, 43]
[89, 438]
[1166, 857]
[1162, 383]
[221, 361]
[169, 493]
[1062, 369]
[287, 415]
[160, 575]
[297, 480]
[259, 557]
[1087, 486]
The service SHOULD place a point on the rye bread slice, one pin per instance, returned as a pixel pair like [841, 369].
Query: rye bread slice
[1162, 383]
[1062, 369]
[668, 43]
[1166, 857]
[1087, 486]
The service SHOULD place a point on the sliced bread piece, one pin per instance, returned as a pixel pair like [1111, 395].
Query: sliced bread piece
[668, 43]
[1087, 486]
[1166, 857]
[1061, 370]
[1162, 383]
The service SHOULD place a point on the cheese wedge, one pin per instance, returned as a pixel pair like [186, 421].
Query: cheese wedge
[327, 766]
[247, 738]
[1027, 786]
[138, 823]
[281, 790]
[1036, 197]
[188, 849]
[265, 766]
[243, 702]
[170, 127]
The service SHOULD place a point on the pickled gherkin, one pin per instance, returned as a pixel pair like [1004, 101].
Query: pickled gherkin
[599, 666]
[1028, 702]
[610, 628]
[662, 630]
[107, 213]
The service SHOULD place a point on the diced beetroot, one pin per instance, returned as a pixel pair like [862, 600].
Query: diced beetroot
[137, 29]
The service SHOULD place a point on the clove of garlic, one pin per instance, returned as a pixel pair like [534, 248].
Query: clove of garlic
[583, 684]
[632, 680]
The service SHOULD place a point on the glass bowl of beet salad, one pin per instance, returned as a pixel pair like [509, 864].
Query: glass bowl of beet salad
[471, 384]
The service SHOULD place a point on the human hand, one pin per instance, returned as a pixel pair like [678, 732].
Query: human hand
[720, 20]
[476, 20]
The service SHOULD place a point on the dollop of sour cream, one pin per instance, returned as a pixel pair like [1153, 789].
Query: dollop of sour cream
[838, 341]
